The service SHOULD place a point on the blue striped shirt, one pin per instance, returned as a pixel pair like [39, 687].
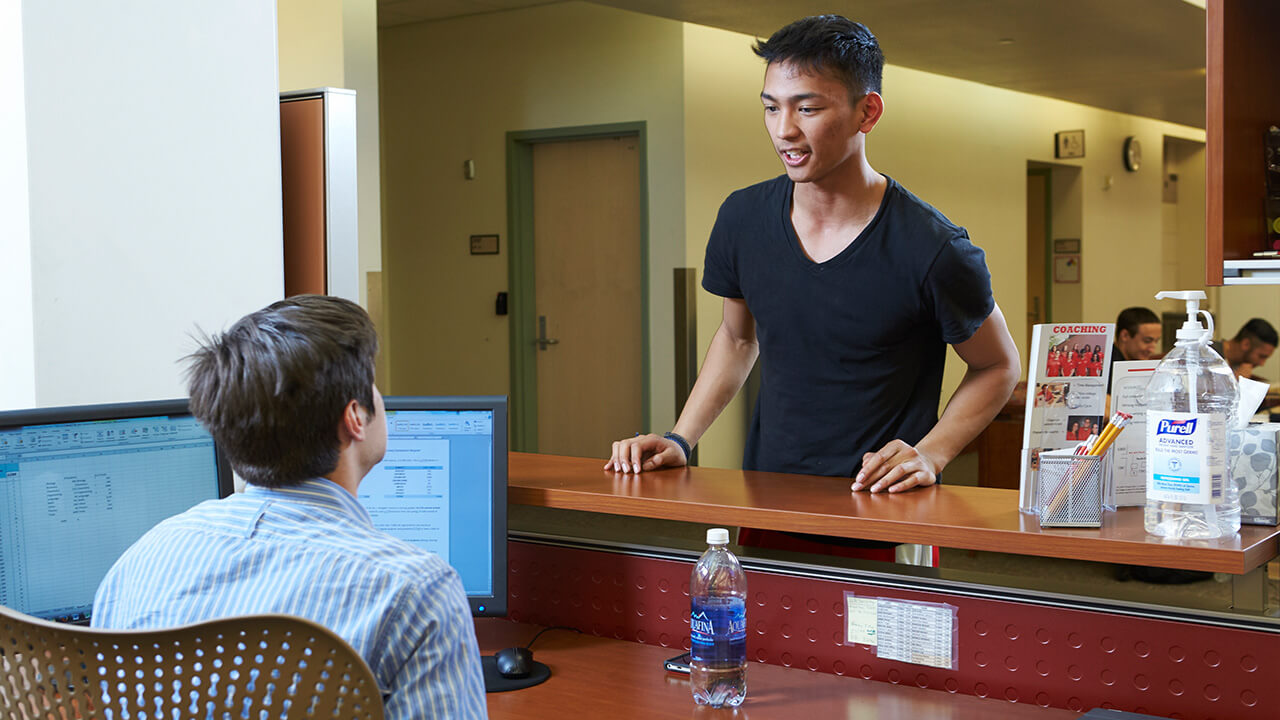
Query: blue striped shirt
[309, 551]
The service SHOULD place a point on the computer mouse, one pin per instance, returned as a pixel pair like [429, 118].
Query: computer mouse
[514, 662]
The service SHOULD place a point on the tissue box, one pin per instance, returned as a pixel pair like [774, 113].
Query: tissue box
[1253, 468]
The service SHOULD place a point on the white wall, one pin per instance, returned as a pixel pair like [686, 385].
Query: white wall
[17, 360]
[154, 157]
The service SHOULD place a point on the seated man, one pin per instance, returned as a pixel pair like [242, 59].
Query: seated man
[1137, 337]
[288, 395]
[1250, 348]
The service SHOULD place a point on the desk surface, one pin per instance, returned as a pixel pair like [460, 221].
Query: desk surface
[593, 677]
[968, 518]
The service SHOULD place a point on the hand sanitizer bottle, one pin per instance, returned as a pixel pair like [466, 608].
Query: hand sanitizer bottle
[1191, 401]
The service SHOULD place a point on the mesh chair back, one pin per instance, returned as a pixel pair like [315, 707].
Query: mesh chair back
[257, 666]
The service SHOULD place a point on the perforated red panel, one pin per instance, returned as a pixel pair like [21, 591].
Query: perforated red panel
[1024, 653]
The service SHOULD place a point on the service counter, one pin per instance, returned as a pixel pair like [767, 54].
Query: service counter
[1065, 650]
[970, 518]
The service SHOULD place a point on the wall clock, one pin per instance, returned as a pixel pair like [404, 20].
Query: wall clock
[1132, 154]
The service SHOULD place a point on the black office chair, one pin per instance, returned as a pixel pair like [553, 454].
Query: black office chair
[233, 667]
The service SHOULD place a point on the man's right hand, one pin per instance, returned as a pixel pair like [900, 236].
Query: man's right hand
[645, 452]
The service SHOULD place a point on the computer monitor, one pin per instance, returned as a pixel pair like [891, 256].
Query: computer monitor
[442, 486]
[78, 485]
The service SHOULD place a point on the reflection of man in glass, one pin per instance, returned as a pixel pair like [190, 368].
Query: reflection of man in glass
[1250, 348]
[800, 258]
[1137, 337]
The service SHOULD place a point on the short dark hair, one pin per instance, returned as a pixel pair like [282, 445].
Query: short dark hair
[830, 43]
[272, 389]
[1130, 318]
[1257, 330]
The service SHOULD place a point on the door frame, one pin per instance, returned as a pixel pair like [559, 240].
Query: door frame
[524, 362]
[1047, 173]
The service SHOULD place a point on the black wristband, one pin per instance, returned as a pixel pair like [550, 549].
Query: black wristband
[684, 444]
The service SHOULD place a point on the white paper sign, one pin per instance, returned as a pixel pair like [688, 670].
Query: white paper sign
[1129, 453]
[914, 632]
[861, 612]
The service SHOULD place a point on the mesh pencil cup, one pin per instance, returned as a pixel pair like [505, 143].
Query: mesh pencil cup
[1070, 490]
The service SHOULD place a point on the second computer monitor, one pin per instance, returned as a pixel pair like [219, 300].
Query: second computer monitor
[442, 486]
[78, 485]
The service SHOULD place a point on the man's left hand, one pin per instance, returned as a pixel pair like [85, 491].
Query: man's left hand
[896, 467]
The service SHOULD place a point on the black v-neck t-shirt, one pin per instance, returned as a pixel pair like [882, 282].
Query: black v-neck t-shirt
[852, 349]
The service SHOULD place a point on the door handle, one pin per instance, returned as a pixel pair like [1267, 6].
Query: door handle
[542, 341]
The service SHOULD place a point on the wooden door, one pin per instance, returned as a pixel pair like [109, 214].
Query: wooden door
[587, 280]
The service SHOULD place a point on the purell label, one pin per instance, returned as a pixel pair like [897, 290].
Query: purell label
[1184, 465]
[1176, 427]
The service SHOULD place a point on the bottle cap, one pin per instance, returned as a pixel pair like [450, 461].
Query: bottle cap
[717, 536]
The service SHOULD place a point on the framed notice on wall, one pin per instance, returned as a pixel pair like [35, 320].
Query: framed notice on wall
[1066, 268]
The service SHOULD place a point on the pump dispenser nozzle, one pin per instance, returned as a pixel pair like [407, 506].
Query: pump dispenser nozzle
[1191, 331]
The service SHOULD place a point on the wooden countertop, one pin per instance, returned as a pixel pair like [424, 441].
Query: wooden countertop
[967, 518]
[594, 677]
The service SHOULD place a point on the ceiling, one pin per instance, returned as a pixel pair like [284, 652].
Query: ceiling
[1143, 57]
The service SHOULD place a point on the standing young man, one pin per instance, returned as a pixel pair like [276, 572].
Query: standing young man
[846, 286]
[288, 395]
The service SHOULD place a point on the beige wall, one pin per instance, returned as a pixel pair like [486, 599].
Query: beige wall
[451, 92]
[725, 148]
[452, 89]
[334, 43]
[310, 43]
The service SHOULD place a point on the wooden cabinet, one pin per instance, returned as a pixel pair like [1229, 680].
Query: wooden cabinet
[318, 192]
[1242, 101]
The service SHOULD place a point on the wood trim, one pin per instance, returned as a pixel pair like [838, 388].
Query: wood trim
[967, 518]
[1242, 71]
[1214, 142]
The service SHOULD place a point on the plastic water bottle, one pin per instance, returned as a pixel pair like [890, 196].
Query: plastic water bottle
[1191, 402]
[718, 625]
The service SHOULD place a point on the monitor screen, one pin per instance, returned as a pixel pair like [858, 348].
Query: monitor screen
[78, 485]
[442, 486]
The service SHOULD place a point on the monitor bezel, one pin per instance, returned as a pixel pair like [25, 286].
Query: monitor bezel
[494, 605]
[64, 414]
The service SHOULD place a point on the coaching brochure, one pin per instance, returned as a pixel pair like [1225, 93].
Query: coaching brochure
[1066, 392]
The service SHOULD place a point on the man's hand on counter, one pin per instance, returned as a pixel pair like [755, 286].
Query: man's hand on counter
[645, 452]
[896, 467]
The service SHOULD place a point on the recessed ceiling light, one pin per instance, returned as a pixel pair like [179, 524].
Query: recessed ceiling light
[1005, 41]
